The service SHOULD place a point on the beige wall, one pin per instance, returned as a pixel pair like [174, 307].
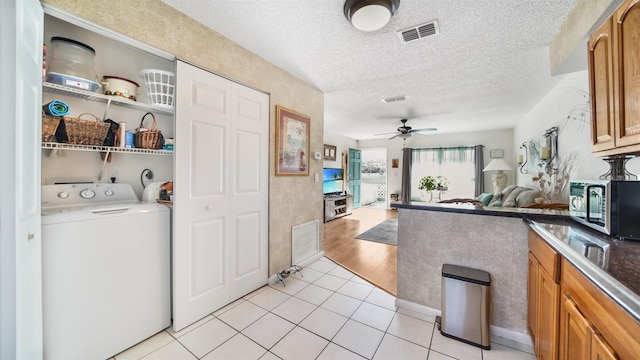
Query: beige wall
[292, 200]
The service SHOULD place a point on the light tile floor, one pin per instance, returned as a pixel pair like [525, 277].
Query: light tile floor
[328, 313]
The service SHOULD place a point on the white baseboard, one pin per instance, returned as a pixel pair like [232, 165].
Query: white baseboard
[274, 278]
[497, 332]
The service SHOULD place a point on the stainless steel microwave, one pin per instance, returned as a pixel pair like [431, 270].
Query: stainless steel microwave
[609, 206]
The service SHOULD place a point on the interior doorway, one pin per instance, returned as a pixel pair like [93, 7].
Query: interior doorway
[373, 193]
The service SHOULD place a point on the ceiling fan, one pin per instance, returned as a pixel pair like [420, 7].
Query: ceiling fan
[405, 131]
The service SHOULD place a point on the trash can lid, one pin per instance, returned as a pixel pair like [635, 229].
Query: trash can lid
[466, 274]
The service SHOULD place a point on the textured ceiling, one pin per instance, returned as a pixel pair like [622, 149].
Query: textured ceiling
[488, 66]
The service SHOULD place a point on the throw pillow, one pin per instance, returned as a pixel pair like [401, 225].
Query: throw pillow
[496, 203]
[527, 197]
[494, 198]
[485, 198]
[507, 191]
[510, 201]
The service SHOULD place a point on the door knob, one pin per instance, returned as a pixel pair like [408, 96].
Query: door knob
[209, 207]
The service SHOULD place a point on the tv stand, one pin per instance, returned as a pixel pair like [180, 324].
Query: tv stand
[336, 206]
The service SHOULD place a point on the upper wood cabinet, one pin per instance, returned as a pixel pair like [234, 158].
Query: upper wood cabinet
[614, 81]
[601, 88]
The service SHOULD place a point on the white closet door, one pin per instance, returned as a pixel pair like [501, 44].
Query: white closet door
[220, 203]
[21, 31]
[249, 139]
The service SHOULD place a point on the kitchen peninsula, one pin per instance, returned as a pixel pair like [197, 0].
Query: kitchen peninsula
[497, 240]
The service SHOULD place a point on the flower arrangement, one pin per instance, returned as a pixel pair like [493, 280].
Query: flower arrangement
[430, 183]
[554, 186]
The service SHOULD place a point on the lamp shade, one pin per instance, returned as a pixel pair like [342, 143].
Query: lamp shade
[370, 15]
[497, 165]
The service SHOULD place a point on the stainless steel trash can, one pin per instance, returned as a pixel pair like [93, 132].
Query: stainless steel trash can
[465, 305]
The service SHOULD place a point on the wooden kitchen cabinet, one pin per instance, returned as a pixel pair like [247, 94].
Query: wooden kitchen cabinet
[601, 87]
[614, 78]
[608, 331]
[543, 297]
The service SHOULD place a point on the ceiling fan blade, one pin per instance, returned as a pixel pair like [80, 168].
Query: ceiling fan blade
[425, 129]
[394, 136]
[389, 133]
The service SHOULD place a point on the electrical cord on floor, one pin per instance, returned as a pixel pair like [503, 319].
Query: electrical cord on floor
[145, 173]
[285, 273]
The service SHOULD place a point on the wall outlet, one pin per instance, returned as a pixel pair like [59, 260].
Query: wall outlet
[112, 175]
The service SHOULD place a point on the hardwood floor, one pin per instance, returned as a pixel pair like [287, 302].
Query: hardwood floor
[375, 262]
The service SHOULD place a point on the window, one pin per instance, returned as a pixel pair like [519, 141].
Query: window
[457, 164]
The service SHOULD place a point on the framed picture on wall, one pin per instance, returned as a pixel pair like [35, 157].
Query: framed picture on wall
[292, 142]
[329, 152]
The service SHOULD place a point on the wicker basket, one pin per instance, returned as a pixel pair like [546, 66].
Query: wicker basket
[150, 138]
[49, 126]
[86, 132]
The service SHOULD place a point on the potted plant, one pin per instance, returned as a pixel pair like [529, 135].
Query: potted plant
[430, 183]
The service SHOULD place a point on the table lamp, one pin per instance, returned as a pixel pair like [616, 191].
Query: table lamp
[499, 179]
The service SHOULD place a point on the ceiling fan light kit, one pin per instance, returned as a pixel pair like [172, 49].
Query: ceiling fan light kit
[370, 15]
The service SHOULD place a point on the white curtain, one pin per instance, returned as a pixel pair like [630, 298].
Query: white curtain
[457, 164]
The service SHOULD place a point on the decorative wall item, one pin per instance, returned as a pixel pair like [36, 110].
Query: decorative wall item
[496, 153]
[395, 163]
[329, 152]
[292, 142]
[541, 153]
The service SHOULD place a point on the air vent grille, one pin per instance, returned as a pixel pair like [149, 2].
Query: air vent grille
[419, 32]
[394, 99]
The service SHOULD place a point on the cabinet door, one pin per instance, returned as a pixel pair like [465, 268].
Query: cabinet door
[575, 333]
[532, 303]
[627, 67]
[600, 350]
[548, 304]
[602, 88]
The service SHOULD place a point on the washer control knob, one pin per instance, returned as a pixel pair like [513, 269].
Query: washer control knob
[109, 192]
[209, 207]
[63, 194]
[87, 194]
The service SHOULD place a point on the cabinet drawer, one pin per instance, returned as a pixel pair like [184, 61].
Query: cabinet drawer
[547, 257]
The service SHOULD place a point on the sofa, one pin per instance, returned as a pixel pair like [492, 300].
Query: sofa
[511, 196]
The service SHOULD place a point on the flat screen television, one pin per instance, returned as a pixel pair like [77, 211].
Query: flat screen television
[332, 180]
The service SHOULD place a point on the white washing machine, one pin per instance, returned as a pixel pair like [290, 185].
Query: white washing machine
[105, 270]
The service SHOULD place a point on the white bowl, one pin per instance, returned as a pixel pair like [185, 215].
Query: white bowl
[115, 85]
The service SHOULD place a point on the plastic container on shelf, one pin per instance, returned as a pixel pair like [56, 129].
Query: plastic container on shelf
[70, 63]
[160, 86]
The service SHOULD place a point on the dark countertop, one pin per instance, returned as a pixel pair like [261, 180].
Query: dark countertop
[612, 264]
[533, 214]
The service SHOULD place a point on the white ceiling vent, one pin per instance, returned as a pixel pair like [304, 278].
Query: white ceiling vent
[418, 32]
[394, 99]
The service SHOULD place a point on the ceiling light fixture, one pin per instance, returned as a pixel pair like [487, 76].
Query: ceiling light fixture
[370, 15]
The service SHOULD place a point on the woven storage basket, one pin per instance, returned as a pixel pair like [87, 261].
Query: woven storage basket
[86, 132]
[49, 126]
[150, 138]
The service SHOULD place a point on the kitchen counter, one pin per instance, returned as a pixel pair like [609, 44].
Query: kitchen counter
[533, 214]
[613, 265]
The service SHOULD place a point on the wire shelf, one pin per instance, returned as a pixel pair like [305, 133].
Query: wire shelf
[96, 148]
[88, 95]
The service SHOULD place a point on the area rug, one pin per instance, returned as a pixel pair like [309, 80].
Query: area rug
[386, 232]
